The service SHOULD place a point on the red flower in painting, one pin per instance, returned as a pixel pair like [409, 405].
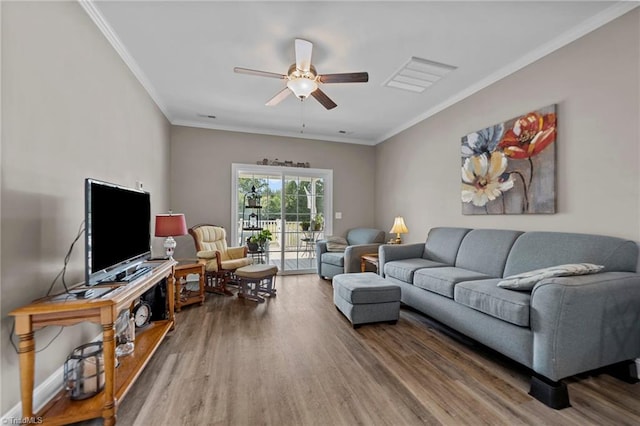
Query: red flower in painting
[530, 134]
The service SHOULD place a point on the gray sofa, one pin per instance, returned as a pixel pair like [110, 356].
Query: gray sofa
[361, 241]
[562, 327]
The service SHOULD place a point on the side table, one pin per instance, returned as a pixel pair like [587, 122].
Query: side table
[371, 258]
[184, 296]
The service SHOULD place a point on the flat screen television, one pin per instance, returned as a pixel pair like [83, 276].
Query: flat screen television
[117, 230]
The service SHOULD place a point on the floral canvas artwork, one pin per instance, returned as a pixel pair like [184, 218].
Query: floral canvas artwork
[510, 168]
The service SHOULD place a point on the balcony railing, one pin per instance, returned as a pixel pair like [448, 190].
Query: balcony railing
[294, 236]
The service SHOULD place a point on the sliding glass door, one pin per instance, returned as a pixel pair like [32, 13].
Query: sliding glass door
[294, 206]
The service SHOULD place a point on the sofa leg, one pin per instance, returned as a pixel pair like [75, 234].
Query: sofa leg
[625, 371]
[550, 393]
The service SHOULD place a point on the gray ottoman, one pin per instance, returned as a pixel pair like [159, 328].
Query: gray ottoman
[365, 298]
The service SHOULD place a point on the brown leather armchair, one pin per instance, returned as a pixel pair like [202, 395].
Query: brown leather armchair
[220, 260]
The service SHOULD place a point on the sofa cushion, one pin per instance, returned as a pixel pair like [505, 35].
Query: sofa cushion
[527, 280]
[443, 243]
[486, 250]
[443, 280]
[535, 250]
[485, 296]
[335, 258]
[403, 269]
[336, 243]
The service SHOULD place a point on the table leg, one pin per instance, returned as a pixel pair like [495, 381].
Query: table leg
[109, 355]
[178, 291]
[171, 299]
[27, 353]
[201, 282]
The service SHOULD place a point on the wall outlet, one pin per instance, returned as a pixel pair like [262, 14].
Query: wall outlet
[139, 185]
[338, 215]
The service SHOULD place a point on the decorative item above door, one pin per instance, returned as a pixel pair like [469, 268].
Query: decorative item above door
[510, 168]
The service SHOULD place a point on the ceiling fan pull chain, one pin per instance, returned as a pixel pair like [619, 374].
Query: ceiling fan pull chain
[302, 114]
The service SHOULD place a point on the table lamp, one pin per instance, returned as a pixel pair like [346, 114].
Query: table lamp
[170, 225]
[398, 228]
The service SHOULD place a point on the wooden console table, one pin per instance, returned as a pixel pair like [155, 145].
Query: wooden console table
[63, 311]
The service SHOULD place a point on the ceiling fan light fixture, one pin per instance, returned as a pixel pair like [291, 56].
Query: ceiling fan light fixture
[302, 87]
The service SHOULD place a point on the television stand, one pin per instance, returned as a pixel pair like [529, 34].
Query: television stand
[89, 292]
[66, 310]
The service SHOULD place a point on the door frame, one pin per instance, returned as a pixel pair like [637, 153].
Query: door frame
[325, 174]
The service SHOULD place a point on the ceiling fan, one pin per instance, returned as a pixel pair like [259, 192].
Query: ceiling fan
[303, 79]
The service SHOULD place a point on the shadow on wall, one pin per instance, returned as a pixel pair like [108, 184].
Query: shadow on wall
[37, 231]
[35, 238]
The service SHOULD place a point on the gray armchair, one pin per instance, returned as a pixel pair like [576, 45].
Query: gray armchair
[360, 241]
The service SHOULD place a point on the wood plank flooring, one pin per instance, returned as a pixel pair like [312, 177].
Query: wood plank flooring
[295, 360]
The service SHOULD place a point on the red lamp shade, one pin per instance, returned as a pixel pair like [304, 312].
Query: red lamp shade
[170, 225]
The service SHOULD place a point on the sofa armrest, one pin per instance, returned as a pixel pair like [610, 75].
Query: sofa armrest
[389, 252]
[212, 259]
[352, 256]
[585, 322]
[321, 247]
[237, 252]
[207, 254]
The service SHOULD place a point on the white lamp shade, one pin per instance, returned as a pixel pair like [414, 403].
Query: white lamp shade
[398, 226]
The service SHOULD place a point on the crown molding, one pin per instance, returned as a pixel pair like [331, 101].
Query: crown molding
[616, 10]
[271, 132]
[591, 24]
[96, 16]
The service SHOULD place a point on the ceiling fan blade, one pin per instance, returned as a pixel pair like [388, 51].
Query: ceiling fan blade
[258, 73]
[351, 77]
[303, 54]
[323, 99]
[278, 97]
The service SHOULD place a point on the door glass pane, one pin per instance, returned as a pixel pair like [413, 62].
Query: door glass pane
[254, 218]
[303, 221]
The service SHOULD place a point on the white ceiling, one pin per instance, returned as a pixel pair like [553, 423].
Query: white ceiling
[184, 54]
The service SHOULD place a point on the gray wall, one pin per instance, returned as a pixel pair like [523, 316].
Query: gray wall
[71, 109]
[201, 174]
[596, 83]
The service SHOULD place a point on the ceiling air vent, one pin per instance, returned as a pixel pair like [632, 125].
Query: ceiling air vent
[418, 74]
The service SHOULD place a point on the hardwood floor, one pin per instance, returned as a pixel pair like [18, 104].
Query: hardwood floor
[295, 360]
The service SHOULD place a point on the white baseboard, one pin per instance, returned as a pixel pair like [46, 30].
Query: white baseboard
[41, 394]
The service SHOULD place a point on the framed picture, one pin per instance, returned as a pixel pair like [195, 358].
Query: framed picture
[510, 168]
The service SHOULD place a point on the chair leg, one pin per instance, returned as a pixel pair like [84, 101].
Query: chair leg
[216, 283]
[231, 279]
